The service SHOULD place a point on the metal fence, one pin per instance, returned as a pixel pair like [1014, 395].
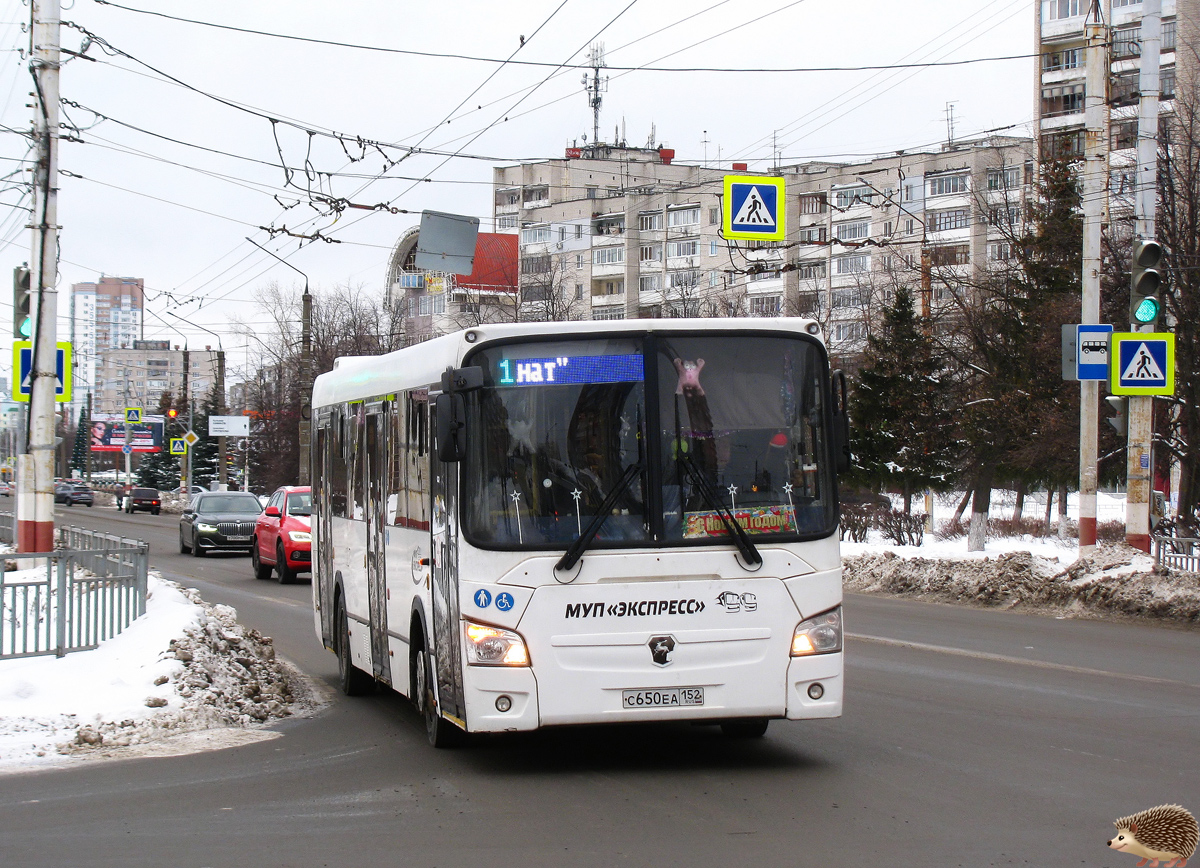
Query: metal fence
[88, 591]
[1177, 553]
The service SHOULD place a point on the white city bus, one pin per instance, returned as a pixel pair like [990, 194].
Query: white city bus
[528, 525]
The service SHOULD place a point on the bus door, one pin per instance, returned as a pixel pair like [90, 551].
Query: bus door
[444, 578]
[375, 470]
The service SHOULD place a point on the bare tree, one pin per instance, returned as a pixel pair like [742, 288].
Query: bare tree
[1178, 228]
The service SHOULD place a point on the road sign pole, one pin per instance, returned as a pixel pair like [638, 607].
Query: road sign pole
[1139, 467]
[35, 502]
[1095, 182]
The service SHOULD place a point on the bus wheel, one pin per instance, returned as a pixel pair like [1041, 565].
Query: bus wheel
[352, 681]
[440, 732]
[751, 727]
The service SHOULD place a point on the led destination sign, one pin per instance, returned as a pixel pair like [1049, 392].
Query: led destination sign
[571, 370]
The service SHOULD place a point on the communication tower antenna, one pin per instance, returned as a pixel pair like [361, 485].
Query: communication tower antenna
[596, 86]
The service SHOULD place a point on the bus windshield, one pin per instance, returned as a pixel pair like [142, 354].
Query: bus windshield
[687, 431]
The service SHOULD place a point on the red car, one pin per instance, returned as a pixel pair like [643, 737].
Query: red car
[283, 535]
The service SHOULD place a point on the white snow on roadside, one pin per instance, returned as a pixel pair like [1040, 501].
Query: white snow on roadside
[185, 676]
[44, 699]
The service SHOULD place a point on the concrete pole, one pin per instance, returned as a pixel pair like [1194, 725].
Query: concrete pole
[222, 447]
[306, 391]
[1139, 468]
[35, 501]
[1095, 183]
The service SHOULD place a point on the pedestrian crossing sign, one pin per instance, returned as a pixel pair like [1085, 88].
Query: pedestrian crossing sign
[179, 446]
[1143, 363]
[754, 208]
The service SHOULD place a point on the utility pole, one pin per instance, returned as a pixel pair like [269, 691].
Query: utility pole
[128, 450]
[87, 457]
[1139, 467]
[1095, 183]
[186, 463]
[306, 387]
[223, 468]
[35, 498]
[305, 433]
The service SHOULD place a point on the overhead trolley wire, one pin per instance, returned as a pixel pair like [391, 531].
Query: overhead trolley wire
[549, 64]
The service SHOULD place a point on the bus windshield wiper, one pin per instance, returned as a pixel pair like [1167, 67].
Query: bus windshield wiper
[741, 539]
[577, 548]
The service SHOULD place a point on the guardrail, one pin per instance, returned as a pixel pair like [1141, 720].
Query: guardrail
[86, 592]
[1177, 553]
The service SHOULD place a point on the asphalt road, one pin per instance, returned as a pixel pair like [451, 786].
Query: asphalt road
[970, 737]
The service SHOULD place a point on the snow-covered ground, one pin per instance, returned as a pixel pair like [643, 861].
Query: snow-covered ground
[182, 669]
[187, 676]
[1036, 573]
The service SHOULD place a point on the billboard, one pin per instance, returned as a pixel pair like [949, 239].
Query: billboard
[108, 433]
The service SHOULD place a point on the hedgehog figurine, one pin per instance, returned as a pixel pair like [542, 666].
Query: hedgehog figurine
[1166, 833]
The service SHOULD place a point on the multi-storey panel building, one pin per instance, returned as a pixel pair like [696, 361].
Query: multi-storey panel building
[436, 302]
[622, 232]
[138, 375]
[105, 315]
[1062, 72]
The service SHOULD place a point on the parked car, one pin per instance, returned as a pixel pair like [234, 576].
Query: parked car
[283, 535]
[5, 489]
[72, 493]
[218, 520]
[143, 499]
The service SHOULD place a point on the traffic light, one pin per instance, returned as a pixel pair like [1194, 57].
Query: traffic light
[1144, 303]
[22, 323]
[1120, 422]
[172, 413]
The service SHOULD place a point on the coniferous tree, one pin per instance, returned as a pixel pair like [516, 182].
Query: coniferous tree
[83, 442]
[161, 469]
[205, 454]
[1015, 413]
[901, 410]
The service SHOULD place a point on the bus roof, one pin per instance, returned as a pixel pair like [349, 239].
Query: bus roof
[355, 378]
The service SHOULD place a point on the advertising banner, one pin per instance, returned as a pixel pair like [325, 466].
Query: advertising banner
[108, 433]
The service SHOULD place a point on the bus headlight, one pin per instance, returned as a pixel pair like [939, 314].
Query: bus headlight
[821, 634]
[299, 535]
[491, 646]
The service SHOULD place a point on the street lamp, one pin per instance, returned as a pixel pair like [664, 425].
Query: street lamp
[305, 368]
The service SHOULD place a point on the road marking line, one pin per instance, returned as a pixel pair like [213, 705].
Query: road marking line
[1004, 658]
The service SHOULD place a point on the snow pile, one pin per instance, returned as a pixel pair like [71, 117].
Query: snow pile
[184, 666]
[1114, 580]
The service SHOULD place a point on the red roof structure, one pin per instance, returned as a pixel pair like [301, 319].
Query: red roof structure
[495, 265]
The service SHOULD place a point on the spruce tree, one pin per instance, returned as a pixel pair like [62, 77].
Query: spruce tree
[901, 409]
[83, 442]
[161, 469]
[205, 453]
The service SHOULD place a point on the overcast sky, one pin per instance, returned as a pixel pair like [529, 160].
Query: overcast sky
[178, 215]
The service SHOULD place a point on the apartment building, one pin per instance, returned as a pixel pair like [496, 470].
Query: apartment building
[138, 375]
[105, 315]
[622, 233]
[1062, 71]
[438, 302]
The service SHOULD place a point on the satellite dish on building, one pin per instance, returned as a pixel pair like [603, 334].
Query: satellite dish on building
[447, 242]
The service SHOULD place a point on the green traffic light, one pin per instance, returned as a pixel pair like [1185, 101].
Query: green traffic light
[1147, 310]
[26, 327]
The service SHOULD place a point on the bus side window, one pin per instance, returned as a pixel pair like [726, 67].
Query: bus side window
[397, 493]
[418, 460]
[358, 461]
[337, 465]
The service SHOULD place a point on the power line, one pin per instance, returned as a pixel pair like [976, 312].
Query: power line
[565, 66]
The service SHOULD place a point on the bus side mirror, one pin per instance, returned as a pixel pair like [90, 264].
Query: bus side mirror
[451, 415]
[841, 422]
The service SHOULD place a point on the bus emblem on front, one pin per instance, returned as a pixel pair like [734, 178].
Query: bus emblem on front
[661, 648]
